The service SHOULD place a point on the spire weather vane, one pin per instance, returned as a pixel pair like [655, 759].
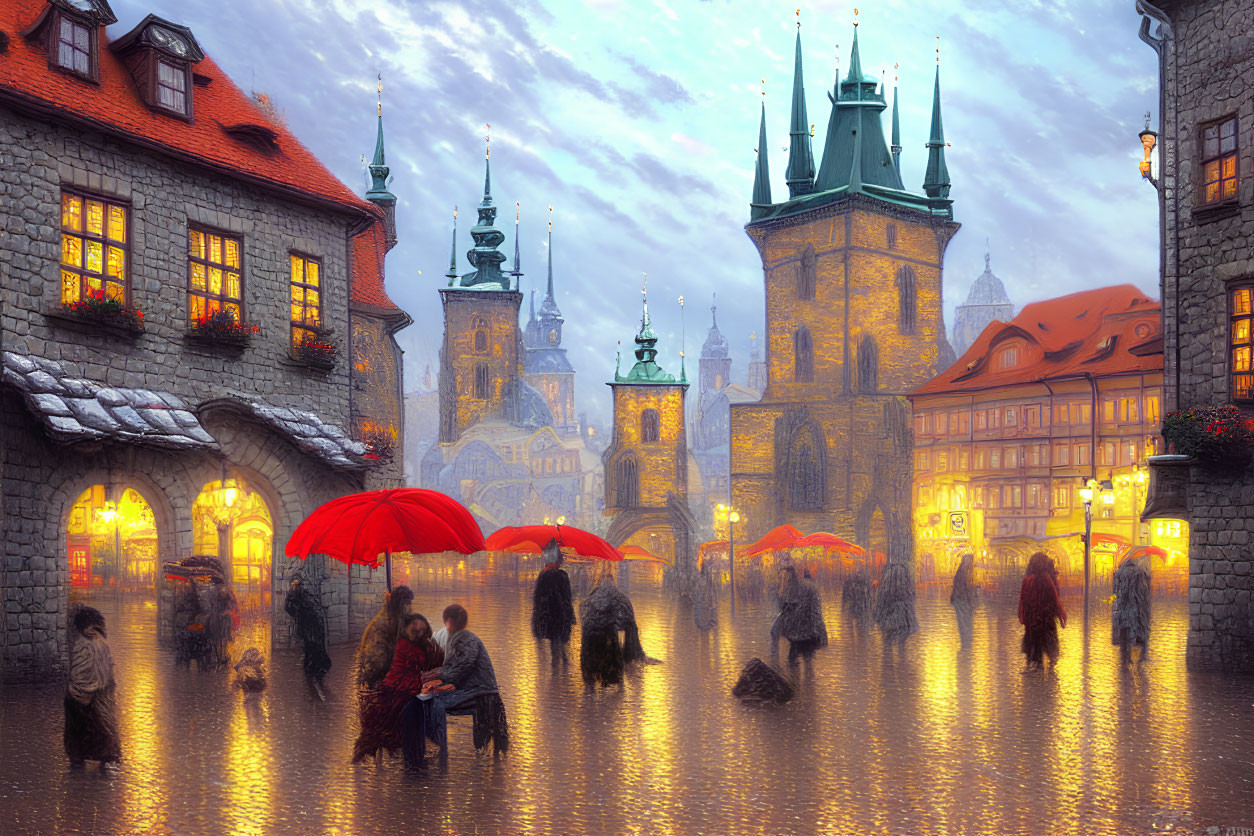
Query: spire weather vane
[487, 142]
[380, 89]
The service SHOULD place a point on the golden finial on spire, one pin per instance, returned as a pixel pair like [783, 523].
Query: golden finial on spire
[454, 215]
[798, 18]
[938, 50]
[517, 212]
[855, 17]
[895, 68]
[550, 218]
[763, 87]
[380, 89]
[487, 142]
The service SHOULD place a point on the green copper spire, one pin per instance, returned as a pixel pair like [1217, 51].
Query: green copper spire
[856, 154]
[379, 170]
[517, 271]
[896, 146]
[646, 369]
[800, 173]
[936, 180]
[451, 275]
[761, 172]
[485, 257]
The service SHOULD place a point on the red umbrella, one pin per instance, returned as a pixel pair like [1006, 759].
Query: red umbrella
[360, 527]
[781, 537]
[830, 542]
[524, 537]
[638, 553]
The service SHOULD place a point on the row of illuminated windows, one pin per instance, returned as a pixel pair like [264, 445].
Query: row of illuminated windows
[1032, 496]
[1126, 409]
[95, 264]
[991, 459]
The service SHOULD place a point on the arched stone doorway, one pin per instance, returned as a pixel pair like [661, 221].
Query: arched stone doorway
[233, 521]
[111, 543]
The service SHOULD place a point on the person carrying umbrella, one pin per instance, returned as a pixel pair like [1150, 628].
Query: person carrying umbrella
[552, 604]
[800, 618]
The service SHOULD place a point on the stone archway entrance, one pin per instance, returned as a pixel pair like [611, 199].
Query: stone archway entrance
[111, 543]
[234, 522]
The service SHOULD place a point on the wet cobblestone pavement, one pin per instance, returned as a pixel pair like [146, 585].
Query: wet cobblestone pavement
[940, 740]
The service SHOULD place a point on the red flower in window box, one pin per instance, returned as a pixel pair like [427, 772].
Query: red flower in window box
[380, 442]
[222, 328]
[1218, 436]
[96, 308]
[317, 350]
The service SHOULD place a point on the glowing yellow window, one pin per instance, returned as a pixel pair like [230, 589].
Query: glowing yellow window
[306, 301]
[93, 249]
[1241, 344]
[214, 275]
[1219, 161]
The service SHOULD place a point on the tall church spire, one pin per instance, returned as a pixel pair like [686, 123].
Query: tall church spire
[517, 271]
[378, 193]
[549, 295]
[936, 180]
[451, 275]
[486, 256]
[896, 146]
[761, 172]
[800, 173]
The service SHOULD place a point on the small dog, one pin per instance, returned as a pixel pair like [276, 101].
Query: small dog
[250, 671]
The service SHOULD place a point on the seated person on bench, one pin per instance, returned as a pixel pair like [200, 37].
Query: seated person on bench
[467, 667]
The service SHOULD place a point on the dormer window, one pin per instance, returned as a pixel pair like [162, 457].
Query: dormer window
[74, 47]
[160, 55]
[67, 30]
[1009, 356]
[171, 86]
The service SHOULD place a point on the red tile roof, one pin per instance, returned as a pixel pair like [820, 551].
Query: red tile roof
[369, 248]
[1107, 331]
[114, 106]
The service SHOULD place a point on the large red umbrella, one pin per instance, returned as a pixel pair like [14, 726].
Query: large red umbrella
[360, 527]
[830, 542]
[525, 537]
[781, 537]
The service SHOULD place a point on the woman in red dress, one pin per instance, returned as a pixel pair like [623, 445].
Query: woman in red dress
[416, 652]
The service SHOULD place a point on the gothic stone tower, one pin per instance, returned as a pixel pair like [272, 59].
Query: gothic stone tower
[546, 366]
[481, 358]
[852, 263]
[646, 464]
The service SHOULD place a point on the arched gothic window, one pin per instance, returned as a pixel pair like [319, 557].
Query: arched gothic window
[805, 477]
[627, 483]
[650, 426]
[868, 365]
[906, 300]
[803, 355]
[892, 236]
[480, 326]
[481, 381]
[807, 273]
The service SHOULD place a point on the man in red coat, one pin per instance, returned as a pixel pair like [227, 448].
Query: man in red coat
[1040, 611]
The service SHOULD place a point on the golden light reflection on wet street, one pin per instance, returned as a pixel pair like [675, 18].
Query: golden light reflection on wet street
[938, 740]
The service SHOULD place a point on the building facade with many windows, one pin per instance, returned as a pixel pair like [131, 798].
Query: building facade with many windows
[183, 285]
[1206, 200]
[1068, 391]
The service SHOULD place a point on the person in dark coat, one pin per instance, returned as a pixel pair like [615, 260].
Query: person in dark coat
[1040, 611]
[310, 624]
[378, 642]
[894, 605]
[962, 597]
[416, 654]
[552, 604]
[855, 599]
[705, 600]
[91, 724]
[800, 618]
[603, 615]
[1130, 610]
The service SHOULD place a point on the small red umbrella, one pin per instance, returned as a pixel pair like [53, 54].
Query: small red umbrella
[524, 537]
[830, 542]
[781, 537]
[360, 527]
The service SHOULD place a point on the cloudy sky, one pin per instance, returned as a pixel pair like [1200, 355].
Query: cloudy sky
[637, 120]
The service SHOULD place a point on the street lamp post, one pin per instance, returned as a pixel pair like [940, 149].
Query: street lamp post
[732, 518]
[1086, 494]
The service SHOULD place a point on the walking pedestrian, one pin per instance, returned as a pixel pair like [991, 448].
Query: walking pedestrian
[310, 622]
[800, 618]
[962, 598]
[855, 599]
[1130, 610]
[552, 604]
[603, 614]
[894, 604]
[705, 600]
[1040, 611]
[91, 725]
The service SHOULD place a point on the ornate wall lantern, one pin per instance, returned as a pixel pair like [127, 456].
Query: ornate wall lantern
[1148, 140]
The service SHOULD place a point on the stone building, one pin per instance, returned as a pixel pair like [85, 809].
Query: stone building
[545, 365]
[187, 297]
[1206, 131]
[1068, 391]
[986, 303]
[854, 319]
[647, 462]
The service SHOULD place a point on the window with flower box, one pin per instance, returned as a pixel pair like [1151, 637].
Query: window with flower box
[214, 275]
[306, 284]
[94, 263]
[1240, 343]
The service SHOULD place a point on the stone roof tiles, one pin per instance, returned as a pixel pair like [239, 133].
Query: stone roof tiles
[74, 409]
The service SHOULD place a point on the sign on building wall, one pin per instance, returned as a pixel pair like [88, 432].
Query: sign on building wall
[958, 525]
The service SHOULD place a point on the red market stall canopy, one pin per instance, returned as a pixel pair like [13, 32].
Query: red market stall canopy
[777, 539]
[360, 527]
[526, 537]
[638, 553]
[830, 542]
